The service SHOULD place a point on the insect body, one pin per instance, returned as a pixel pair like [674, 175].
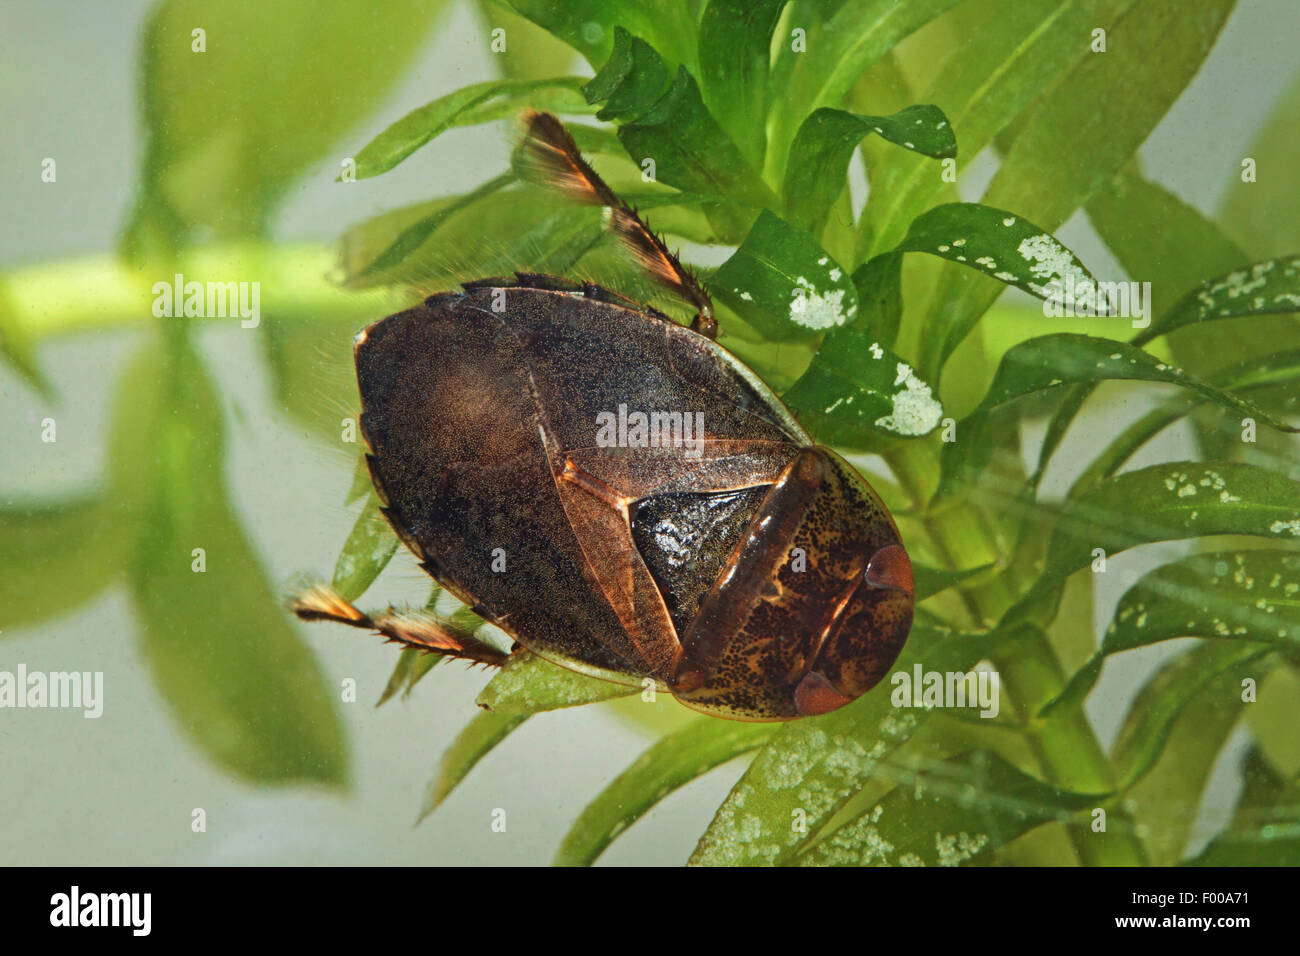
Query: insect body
[626, 499]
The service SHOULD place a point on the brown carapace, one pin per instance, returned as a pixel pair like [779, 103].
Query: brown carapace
[619, 493]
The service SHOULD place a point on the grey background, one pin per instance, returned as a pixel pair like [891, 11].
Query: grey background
[120, 789]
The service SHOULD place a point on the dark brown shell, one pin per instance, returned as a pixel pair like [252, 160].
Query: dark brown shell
[629, 562]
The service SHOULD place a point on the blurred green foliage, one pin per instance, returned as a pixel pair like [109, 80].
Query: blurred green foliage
[751, 116]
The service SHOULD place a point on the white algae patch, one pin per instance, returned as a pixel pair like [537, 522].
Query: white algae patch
[915, 410]
[817, 310]
[1062, 279]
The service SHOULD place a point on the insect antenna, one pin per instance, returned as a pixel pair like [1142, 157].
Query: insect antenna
[548, 156]
[410, 628]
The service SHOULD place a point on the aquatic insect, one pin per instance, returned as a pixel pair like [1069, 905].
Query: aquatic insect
[619, 493]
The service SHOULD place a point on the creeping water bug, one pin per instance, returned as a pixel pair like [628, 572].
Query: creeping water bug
[658, 510]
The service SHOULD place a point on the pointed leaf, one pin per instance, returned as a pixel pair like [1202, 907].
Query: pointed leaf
[834, 52]
[819, 157]
[473, 743]
[735, 50]
[816, 764]
[856, 388]
[422, 125]
[529, 684]
[217, 642]
[631, 81]
[1067, 359]
[690, 150]
[1156, 47]
[672, 762]
[370, 546]
[1167, 502]
[958, 812]
[1153, 712]
[1265, 288]
[55, 557]
[784, 284]
[1007, 247]
[1024, 47]
[1224, 595]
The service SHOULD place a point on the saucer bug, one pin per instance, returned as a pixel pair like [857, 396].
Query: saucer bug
[619, 493]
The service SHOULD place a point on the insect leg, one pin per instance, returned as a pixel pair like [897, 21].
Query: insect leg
[550, 157]
[416, 629]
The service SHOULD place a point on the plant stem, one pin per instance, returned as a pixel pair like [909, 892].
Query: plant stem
[102, 291]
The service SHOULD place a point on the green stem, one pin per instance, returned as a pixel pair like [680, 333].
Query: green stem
[66, 296]
[1066, 747]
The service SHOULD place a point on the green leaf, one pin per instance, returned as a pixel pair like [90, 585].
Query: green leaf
[1168, 502]
[1272, 372]
[423, 664]
[361, 481]
[422, 125]
[1264, 831]
[816, 764]
[1246, 595]
[55, 557]
[671, 763]
[1264, 214]
[1168, 797]
[819, 157]
[1279, 370]
[1007, 247]
[230, 128]
[417, 233]
[370, 546]
[1273, 716]
[529, 684]
[1159, 46]
[589, 25]
[505, 230]
[690, 150]
[839, 46]
[530, 52]
[1157, 706]
[632, 79]
[1227, 595]
[880, 296]
[735, 50]
[932, 581]
[1265, 288]
[401, 674]
[1023, 47]
[482, 733]
[856, 388]
[1161, 240]
[219, 646]
[958, 812]
[1066, 359]
[784, 284]
[1052, 360]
